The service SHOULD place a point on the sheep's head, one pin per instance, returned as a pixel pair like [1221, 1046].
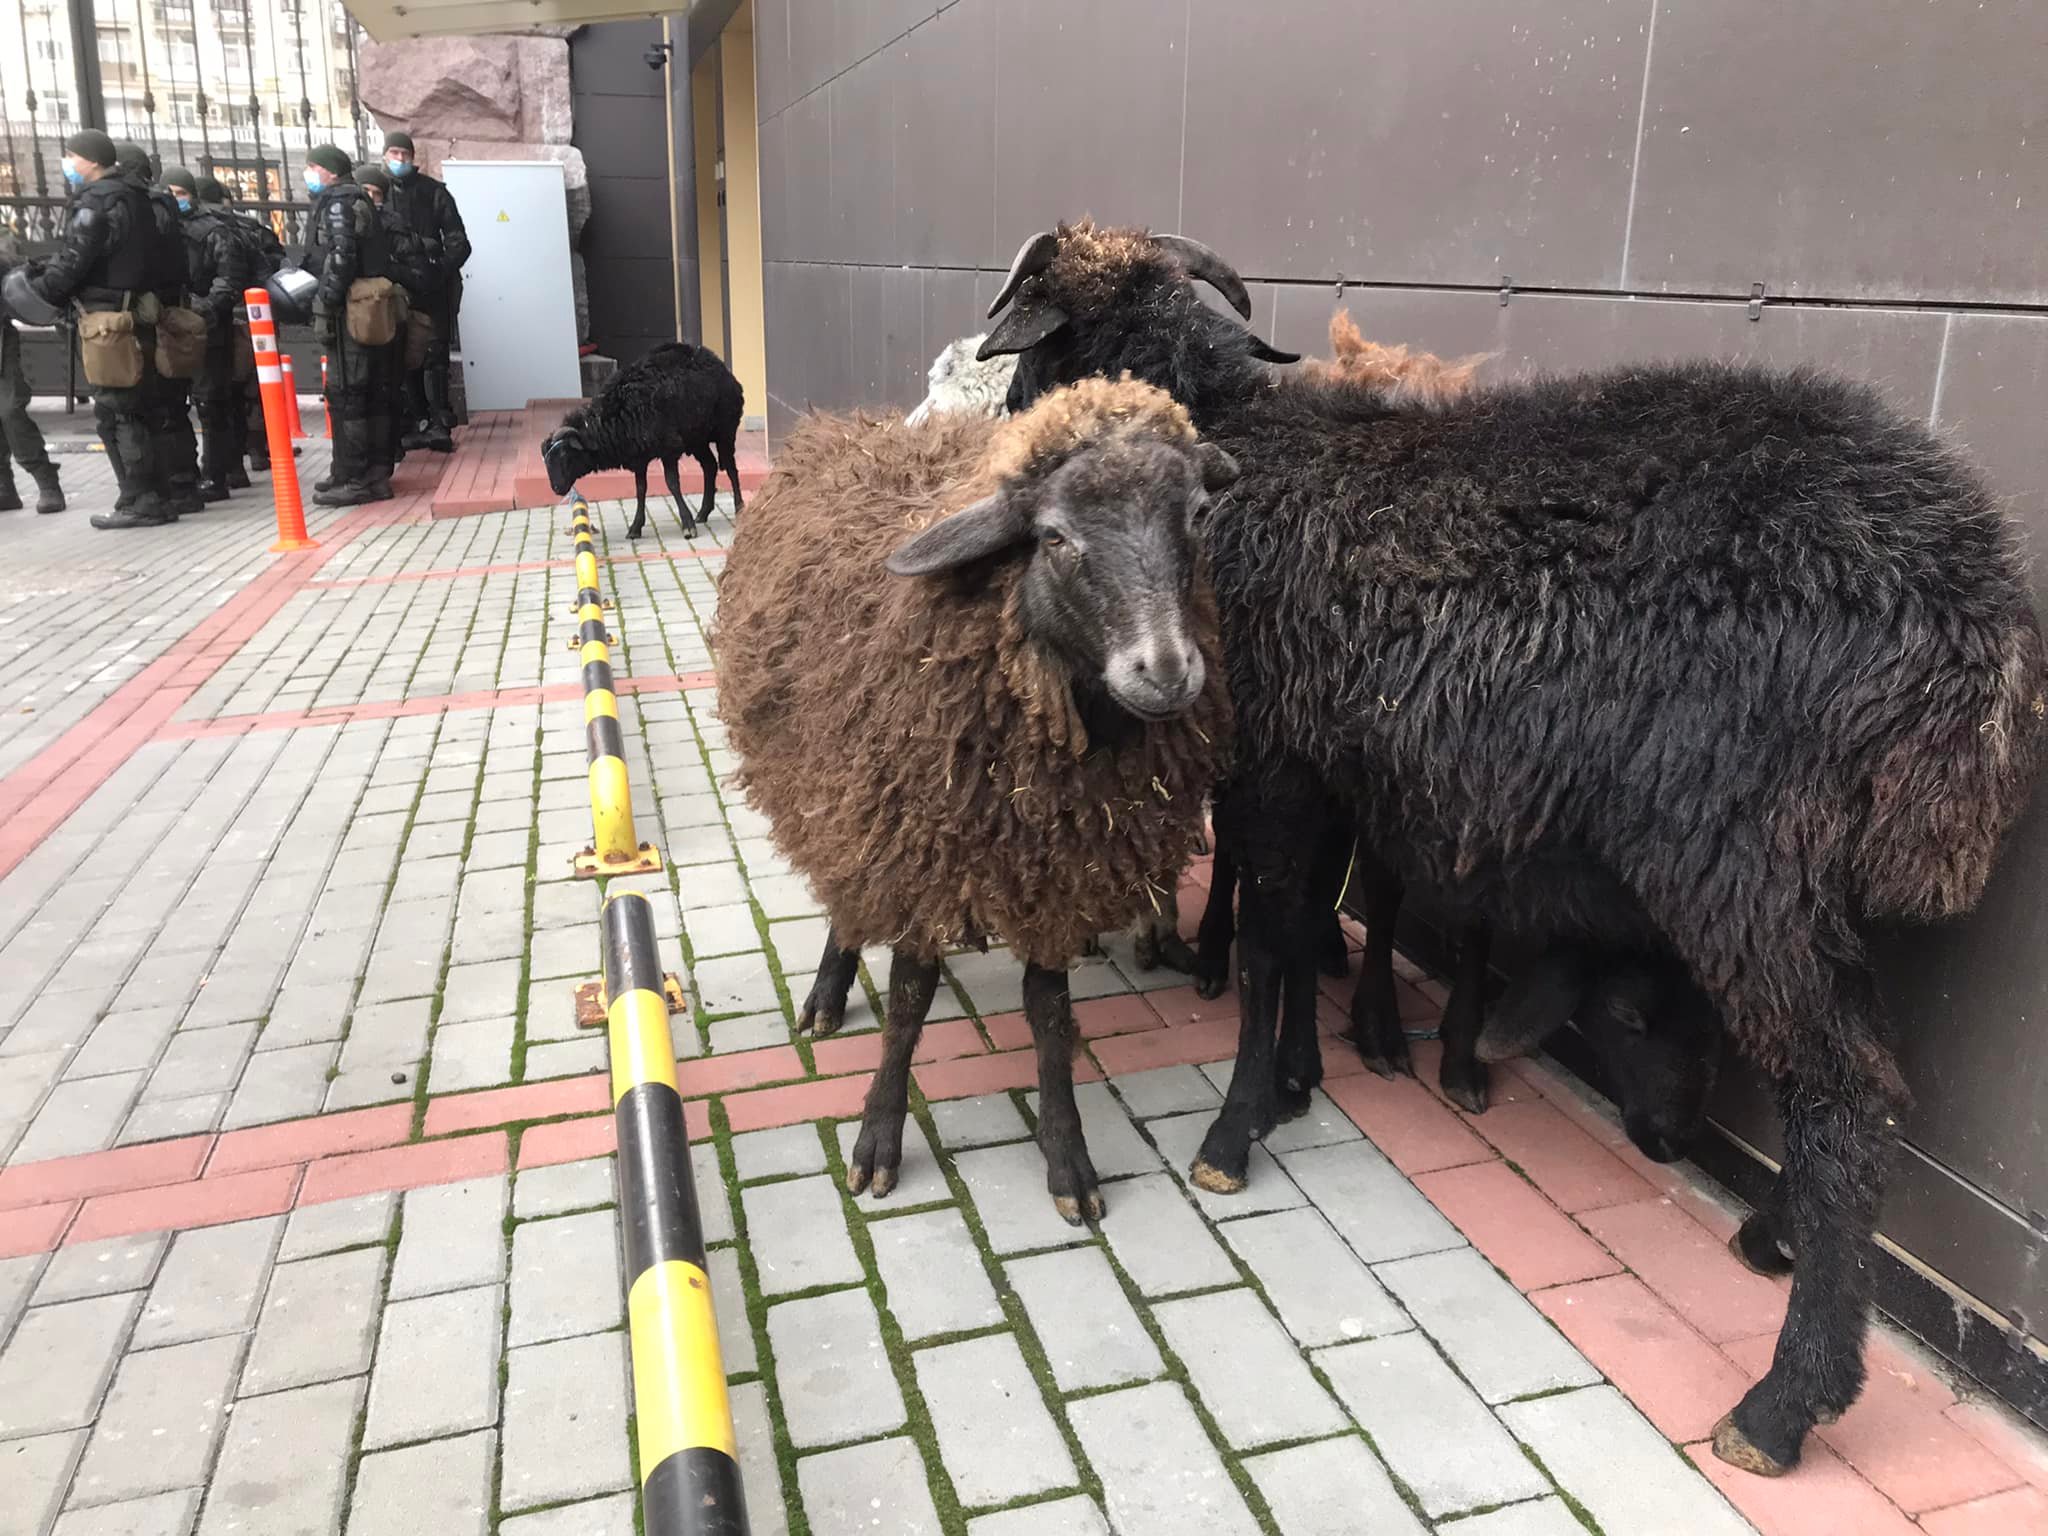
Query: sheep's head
[1658, 1038]
[566, 457]
[1098, 490]
[1085, 301]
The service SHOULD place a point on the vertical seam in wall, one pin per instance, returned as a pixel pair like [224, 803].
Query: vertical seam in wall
[1635, 169]
[995, 139]
[1180, 205]
[1940, 372]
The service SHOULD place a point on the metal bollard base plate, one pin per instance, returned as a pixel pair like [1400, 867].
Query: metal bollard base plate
[576, 642]
[592, 1006]
[589, 866]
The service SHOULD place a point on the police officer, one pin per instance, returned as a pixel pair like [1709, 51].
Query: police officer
[103, 264]
[216, 272]
[408, 264]
[266, 256]
[426, 207]
[258, 242]
[20, 438]
[345, 241]
[170, 413]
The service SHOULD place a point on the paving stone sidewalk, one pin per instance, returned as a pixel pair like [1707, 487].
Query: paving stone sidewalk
[308, 1221]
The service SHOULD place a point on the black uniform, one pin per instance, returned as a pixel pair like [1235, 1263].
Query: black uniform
[425, 206]
[415, 268]
[21, 440]
[217, 269]
[104, 264]
[346, 241]
[170, 405]
[266, 256]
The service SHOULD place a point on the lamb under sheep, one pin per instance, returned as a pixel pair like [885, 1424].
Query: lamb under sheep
[1012, 738]
[1716, 660]
[959, 381]
[676, 400]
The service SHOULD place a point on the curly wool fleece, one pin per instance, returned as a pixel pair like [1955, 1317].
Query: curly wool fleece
[918, 756]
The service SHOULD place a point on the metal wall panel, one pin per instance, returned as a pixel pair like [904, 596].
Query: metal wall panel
[863, 187]
[1845, 149]
[1088, 102]
[945, 142]
[621, 125]
[1443, 144]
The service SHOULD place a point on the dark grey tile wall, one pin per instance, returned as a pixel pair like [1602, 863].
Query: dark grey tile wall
[621, 125]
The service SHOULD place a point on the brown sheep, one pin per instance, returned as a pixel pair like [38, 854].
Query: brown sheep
[1015, 746]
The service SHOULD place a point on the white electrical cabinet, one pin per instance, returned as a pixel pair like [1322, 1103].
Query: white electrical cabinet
[518, 300]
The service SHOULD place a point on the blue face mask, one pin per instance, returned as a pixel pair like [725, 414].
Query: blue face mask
[184, 205]
[71, 174]
[313, 183]
[398, 167]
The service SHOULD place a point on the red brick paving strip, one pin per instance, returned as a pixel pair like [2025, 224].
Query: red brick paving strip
[301, 1141]
[1559, 1158]
[408, 1167]
[34, 1228]
[863, 1052]
[1521, 1234]
[2003, 1514]
[822, 1098]
[103, 1173]
[1691, 1269]
[1416, 1130]
[178, 1207]
[1678, 1381]
[1824, 1497]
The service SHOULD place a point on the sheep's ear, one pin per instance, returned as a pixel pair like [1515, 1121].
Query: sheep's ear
[1219, 469]
[1541, 1001]
[1025, 326]
[974, 533]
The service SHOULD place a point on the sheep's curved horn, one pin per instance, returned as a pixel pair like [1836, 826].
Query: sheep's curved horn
[1033, 257]
[1266, 352]
[1025, 326]
[1203, 262]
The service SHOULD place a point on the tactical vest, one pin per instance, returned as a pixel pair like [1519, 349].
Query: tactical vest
[123, 266]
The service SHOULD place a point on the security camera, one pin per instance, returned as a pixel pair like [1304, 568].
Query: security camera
[656, 55]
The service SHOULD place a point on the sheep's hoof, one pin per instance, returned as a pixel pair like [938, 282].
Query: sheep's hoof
[635, 531]
[1078, 1211]
[1465, 1085]
[1215, 1180]
[1210, 986]
[862, 1177]
[1390, 1063]
[819, 1022]
[1171, 951]
[1758, 1251]
[1738, 1450]
[1293, 1101]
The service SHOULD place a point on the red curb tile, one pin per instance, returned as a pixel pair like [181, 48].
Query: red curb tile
[1560, 1159]
[528, 1101]
[1184, 1005]
[825, 1098]
[34, 1228]
[1009, 1031]
[1691, 1269]
[103, 1173]
[2003, 1514]
[743, 1069]
[197, 1203]
[1522, 1234]
[1404, 1120]
[863, 1053]
[1126, 1014]
[2019, 1446]
[408, 1167]
[301, 1141]
[995, 1073]
[1679, 1381]
[1897, 1435]
[570, 1141]
[1182, 1045]
[1822, 1497]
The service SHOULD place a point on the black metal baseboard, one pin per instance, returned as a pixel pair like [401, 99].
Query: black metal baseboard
[2000, 1359]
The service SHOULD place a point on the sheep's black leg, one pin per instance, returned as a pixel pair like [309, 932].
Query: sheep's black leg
[675, 494]
[1462, 1077]
[878, 1150]
[1762, 1242]
[1375, 1008]
[709, 464]
[640, 503]
[1069, 1175]
[1276, 962]
[728, 456]
[1156, 941]
[825, 1009]
[1839, 1102]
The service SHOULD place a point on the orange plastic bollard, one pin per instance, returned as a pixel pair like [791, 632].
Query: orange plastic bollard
[291, 396]
[272, 371]
[326, 415]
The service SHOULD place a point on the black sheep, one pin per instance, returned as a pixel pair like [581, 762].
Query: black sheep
[1712, 661]
[677, 399]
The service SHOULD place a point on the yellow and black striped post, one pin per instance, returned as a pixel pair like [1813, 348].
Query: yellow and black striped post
[689, 1479]
[615, 848]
